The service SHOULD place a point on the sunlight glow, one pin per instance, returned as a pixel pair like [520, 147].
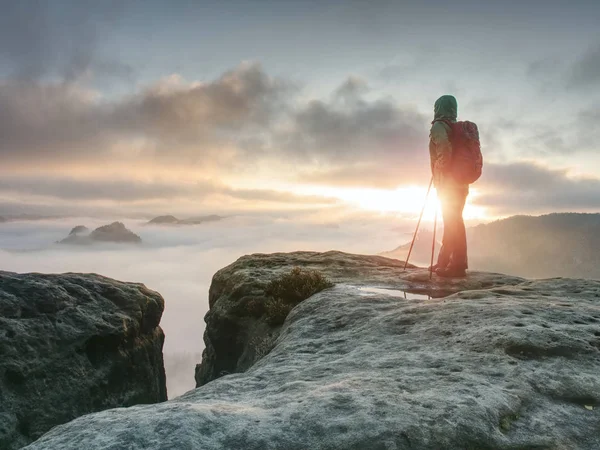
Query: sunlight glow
[403, 200]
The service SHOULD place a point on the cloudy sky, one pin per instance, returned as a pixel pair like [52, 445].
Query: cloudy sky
[190, 107]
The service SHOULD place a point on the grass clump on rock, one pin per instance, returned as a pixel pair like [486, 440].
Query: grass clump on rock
[289, 289]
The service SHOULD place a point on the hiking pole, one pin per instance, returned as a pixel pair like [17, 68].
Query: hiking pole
[433, 242]
[418, 223]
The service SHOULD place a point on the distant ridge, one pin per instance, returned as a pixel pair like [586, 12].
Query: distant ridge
[172, 220]
[551, 245]
[421, 252]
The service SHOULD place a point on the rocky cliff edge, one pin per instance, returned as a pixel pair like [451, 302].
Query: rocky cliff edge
[501, 363]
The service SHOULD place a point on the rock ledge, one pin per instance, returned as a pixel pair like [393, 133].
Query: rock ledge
[501, 364]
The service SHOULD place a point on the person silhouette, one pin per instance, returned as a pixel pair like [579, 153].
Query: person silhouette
[452, 259]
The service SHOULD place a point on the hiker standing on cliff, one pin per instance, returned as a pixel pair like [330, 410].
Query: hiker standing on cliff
[455, 163]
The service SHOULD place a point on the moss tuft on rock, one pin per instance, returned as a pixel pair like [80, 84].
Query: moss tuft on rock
[289, 289]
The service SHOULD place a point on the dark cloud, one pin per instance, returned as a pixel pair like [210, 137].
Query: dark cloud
[53, 123]
[43, 123]
[102, 189]
[61, 38]
[325, 133]
[547, 140]
[130, 190]
[351, 89]
[577, 135]
[590, 116]
[353, 141]
[554, 72]
[246, 112]
[520, 176]
[396, 72]
[548, 73]
[173, 111]
[527, 187]
[585, 73]
[350, 139]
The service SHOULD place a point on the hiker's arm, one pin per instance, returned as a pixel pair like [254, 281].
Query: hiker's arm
[443, 148]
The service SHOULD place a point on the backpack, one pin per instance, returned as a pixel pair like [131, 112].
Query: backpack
[467, 160]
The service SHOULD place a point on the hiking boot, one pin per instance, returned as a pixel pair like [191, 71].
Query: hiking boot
[435, 267]
[451, 272]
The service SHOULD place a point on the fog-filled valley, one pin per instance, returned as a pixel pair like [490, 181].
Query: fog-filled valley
[179, 262]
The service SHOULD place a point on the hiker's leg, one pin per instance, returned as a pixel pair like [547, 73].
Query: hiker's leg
[452, 212]
[448, 239]
[454, 201]
[459, 256]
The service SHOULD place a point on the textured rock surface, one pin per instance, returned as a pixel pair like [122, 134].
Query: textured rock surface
[235, 339]
[507, 367]
[115, 232]
[73, 344]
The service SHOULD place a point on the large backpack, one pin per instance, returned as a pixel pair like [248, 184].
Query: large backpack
[467, 160]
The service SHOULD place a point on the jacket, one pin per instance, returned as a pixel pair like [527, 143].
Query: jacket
[440, 147]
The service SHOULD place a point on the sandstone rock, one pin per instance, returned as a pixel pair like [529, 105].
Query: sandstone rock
[235, 339]
[162, 220]
[172, 220]
[116, 232]
[79, 229]
[511, 364]
[73, 344]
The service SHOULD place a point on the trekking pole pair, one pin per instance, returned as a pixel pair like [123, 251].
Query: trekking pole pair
[417, 230]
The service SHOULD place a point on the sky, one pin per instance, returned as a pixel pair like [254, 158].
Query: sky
[141, 108]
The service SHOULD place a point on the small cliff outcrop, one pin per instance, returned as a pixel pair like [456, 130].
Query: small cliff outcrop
[484, 362]
[79, 229]
[73, 344]
[115, 232]
[172, 220]
[236, 336]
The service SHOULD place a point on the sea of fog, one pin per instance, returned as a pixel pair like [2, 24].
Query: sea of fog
[179, 262]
